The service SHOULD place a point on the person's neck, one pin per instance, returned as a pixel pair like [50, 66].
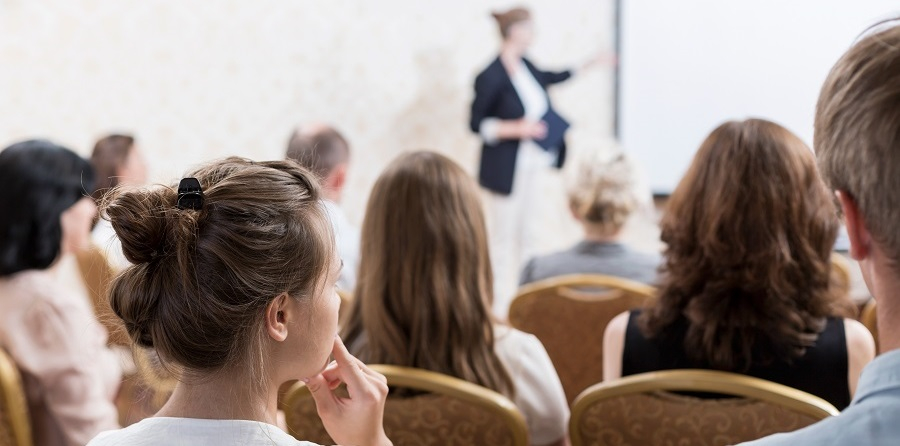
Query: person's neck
[885, 286]
[225, 396]
[592, 235]
[331, 195]
[510, 54]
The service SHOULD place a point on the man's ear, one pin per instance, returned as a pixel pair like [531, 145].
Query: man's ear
[276, 317]
[860, 239]
[338, 177]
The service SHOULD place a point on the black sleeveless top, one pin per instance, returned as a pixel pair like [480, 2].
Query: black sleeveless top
[821, 371]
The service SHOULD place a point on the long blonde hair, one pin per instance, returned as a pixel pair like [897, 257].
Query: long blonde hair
[424, 287]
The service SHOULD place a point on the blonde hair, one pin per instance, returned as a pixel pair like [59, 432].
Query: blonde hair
[857, 132]
[603, 190]
[423, 293]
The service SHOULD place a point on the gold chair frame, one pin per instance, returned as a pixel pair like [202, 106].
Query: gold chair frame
[692, 380]
[438, 383]
[13, 394]
[579, 289]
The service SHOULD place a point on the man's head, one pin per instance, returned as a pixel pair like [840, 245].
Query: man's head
[857, 143]
[324, 151]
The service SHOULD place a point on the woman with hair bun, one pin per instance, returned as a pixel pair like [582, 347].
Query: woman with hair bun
[522, 138]
[47, 326]
[233, 287]
[745, 284]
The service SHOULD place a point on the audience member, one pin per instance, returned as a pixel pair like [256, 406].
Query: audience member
[857, 141]
[602, 196]
[746, 280]
[325, 152]
[49, 328]
[232, 286]
[424, 293]
[116, 160]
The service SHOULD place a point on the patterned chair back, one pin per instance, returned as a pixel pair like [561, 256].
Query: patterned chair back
[569, 314]
[15, 426]
[643, 409]
[423, 408]
[97, 274]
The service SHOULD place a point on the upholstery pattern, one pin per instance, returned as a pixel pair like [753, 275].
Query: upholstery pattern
[664, 418]
[419, 420]
[570, 323]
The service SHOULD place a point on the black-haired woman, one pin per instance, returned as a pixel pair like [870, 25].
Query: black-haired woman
[48, 327]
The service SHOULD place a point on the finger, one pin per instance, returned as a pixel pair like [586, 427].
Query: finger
[349, 367]
[373, 374]
[318, 388]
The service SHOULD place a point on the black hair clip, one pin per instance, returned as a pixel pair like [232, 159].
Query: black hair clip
[190, 194]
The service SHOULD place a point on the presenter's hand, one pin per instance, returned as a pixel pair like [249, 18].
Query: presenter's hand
[532, 129]
[601, 59]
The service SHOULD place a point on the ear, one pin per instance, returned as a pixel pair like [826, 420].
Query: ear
[277, 315]
[338, 177]
[860, 239]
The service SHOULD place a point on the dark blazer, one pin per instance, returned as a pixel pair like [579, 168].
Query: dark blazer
[495, 97]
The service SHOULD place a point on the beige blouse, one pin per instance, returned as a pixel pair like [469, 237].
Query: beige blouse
[48, 327]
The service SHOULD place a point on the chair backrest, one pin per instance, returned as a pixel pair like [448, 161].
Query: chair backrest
[868, 318]
[642, 409]
[569, 314]
[423, 408]
[15, 426]
[97, 274]
[841, 283]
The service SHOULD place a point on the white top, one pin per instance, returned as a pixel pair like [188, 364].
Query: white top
[539, 393]
[533, 97]
[106, 239]
[159, 431]
[346, 237]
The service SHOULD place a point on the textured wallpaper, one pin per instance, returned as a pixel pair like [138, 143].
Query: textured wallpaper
[200, 79]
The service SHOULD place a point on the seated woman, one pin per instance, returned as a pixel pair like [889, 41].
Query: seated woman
[602, 196]
[232, 286]
[423, 293]
[745, 283]
[47, 326]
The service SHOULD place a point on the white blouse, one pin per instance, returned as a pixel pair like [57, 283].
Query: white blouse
[169, 431]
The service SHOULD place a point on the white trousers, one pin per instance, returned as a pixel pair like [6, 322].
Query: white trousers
[514, 222]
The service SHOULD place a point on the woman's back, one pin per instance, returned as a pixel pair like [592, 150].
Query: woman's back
[821, 371]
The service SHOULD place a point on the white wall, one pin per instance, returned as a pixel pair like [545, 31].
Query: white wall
[689, 65]
[199, 79]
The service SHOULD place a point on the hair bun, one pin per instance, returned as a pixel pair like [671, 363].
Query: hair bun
[141, 219]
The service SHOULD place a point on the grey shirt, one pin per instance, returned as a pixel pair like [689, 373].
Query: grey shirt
[611, 259]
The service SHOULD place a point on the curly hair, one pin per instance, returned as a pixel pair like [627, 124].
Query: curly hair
[749, 233]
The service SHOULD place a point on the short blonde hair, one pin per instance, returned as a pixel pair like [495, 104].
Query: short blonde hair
[603, 190]
[857, 132]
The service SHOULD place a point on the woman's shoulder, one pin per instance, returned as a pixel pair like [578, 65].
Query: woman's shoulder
[165, 430]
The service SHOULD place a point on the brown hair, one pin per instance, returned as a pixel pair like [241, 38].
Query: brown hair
[603, 191]
[319, 152]
[424, 287]
[109, 155]
[505, 20]
[857, 132]
[749, 230]
[202, 279]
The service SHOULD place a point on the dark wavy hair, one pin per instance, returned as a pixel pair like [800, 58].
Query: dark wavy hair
[40, 181]
[749, 233]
